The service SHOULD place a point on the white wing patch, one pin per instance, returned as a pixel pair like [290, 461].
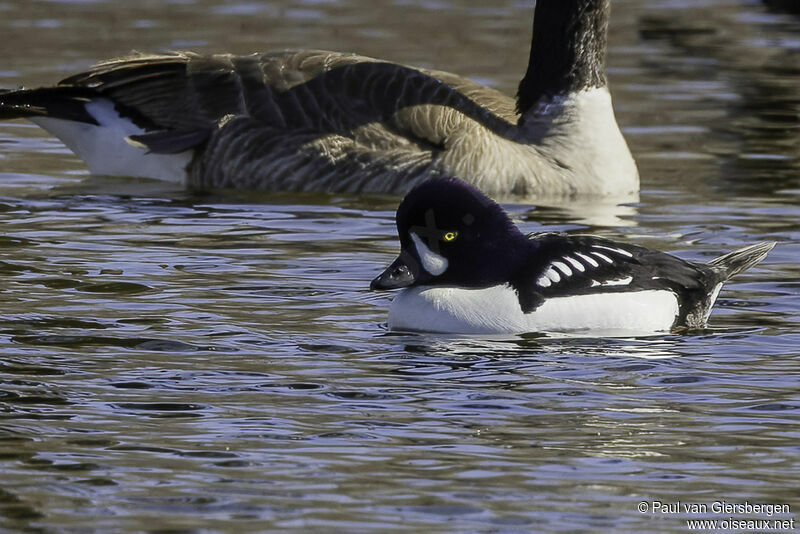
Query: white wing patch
[616, 282]
[553, 275]
[615, 250]
[558, 270]
[575, 263]
[602, 257]
[619, 281]
[588, 259]
[560, 266]
[566, 266]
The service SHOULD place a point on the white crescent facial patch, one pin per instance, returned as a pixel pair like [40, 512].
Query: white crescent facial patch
[434, 263]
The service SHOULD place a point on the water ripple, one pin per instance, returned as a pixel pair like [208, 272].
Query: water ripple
[209, 362]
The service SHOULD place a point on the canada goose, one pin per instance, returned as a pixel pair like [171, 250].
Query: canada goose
[326, 121]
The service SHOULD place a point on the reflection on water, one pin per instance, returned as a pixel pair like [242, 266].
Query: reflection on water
[215, 362]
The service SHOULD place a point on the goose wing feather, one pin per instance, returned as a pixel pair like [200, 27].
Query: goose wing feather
[325, 91]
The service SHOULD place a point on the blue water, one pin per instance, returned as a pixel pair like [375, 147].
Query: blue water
[177, 362]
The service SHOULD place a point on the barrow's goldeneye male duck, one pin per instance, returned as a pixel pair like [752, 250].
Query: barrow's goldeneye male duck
[467, 268]
[313, 120]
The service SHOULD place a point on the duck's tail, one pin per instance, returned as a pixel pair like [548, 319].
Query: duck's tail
[733, 263]
[720, 270]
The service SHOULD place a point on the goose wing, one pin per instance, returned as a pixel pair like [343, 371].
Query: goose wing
[180, 98]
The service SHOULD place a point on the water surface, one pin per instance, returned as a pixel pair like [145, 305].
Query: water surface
[196, 363]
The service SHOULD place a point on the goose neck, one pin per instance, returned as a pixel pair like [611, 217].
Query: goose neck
[568, 49]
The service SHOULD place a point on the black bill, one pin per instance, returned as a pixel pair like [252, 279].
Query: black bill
[403, 272]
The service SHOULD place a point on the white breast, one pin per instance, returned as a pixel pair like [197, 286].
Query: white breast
[104, 147]
[582, 130]
[497, 310]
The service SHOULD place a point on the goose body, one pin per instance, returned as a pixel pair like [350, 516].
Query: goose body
[466, 268]
[327, 121]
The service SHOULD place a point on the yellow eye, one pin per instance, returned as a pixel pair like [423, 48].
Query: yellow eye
[449, 236]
